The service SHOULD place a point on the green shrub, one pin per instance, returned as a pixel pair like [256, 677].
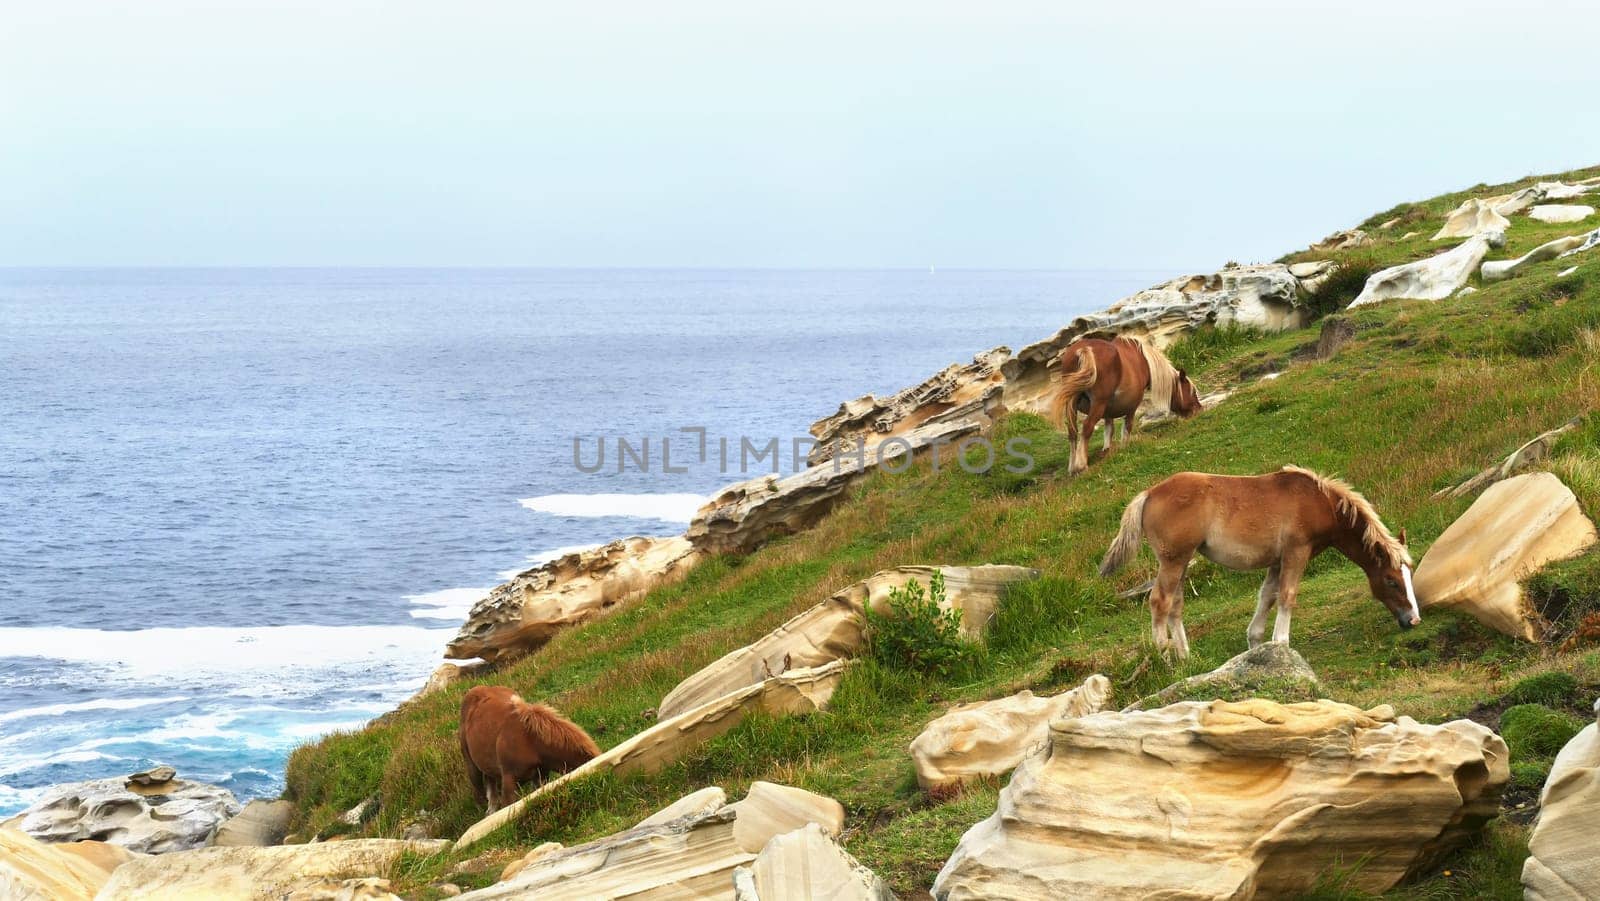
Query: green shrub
[1343, 285]
[1529, 774]
[919, 635]
[1194, 351]
[1552, 689]
[1534, 730]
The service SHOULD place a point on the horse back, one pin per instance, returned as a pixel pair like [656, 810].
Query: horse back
[1240, 522]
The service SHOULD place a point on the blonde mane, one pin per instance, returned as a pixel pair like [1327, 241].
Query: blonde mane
[1163, 375]
[552, 730]
[1348, 502]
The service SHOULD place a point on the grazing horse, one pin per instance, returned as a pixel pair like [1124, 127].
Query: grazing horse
[1277, 522]
[507, 741]
[1108, 380]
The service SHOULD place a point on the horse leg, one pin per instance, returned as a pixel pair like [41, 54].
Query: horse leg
[1097, 411]
[509, 789]
[1111, 431]
[1166, 606]
[1291, 568]
[474, 775]
[1078, 439]
[1264, 599]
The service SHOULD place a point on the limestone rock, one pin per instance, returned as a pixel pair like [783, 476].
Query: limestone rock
[1562, 863]
[832, 629]
[1510, 532]
[261, 824]
[1517, 201]
[1555, 190]
[1434, 278]
[990, 738]
[960, 391]
[690, 857]
[1474, 217]
[804, 865]
[744, 516]
[1555, 213]
[31, 870]
[1229, 801]
[521, 615]
[1497, 270]
[792, 693]
[1312, 275]
[706, 800]
[1345, 240]
[170, 816]
[226, 874]
[1271, 666]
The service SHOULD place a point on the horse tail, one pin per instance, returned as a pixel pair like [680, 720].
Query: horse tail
[1126, 545]
[1079, 379]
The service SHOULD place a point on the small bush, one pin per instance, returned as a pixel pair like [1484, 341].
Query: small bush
[1342, 286]
[918, 634]
[1553, 689]
[1534, 730]
[1198, 349]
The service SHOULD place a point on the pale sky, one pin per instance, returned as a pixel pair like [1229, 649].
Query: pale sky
[748, 133]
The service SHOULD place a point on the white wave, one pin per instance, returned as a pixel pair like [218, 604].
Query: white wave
[308, 731]
[665, 507]
[97, 704]
[171, 650]
[20, 798]
[543, 557]
[448, 603]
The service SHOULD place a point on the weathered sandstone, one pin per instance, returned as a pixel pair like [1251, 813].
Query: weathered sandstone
[806, 865]
[707, 800]
[1434, 278]
[173, 815]
[261, 824]
[1229, 801]
[1517, 201]
[990, 738]
[792, 693]
[521, 615]
[1555, 213]
[256, 874]
[1563, 864]
[832, 629]
[1474, 217]
[31, 870]
[1343, 240]
[1497, 270]
[1512, 530]
[690, 857]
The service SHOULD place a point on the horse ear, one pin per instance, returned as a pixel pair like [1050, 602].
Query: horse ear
[1402, 536]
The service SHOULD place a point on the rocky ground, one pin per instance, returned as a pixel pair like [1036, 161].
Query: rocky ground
[1443, 356]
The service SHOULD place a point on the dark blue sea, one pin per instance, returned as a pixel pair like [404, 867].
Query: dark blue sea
[240, 508]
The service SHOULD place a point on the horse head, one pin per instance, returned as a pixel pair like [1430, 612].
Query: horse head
[1390, 582]
[1185, 399]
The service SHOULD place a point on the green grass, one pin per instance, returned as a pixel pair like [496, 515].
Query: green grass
[1423, 396]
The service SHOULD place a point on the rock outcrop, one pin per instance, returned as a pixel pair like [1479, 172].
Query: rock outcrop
[31, 870]
[742, 517]
[258, 874]
[155, 818]
[1512, 530]
[690, 857]
[1273, 668]
[1229, 801]
[521, 615]
[805, 865]
[1562, 864]
[990, 738]
[792, 693]
[1517, 201]
[261, 824]
[1434, 278]
[1556, 213]
[1342, 240]
[832, 629]
[1474, 217]
[1498, 270]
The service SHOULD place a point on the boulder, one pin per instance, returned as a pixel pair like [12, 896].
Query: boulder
[792, 693]
[1555, 190]
[1474, 217]
[990, 738]
[832, 629]
[521, 615]
[248, 874]
[1273, 668]
[31, 870]
[261, 824]
[1434, 278]
[1517, 201]
[1345, 240]
[1312, 275]
[960, 391]
[690, 857]
[1556, 213]
[744, 516]
[1336, 332]
[1590, 241]
[1227, 800]
[526, 860]
[804, 865]
[1498, 270]
[706, 800]
[1562, 864]
[155, 776]
[152, 819]
[1512, 530]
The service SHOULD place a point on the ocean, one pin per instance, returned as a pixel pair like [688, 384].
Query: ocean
[246, 507]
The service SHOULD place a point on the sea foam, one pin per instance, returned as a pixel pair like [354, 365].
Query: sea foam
[664, 507]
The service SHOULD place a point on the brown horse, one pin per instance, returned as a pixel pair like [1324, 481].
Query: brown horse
[507, 741]
[1109, 380]
[1277, 522]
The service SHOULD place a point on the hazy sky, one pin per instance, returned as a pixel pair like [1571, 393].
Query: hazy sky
[750, 133]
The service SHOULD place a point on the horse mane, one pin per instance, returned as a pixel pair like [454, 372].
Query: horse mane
[1163, 375]
[1349, 503]
[554, 731]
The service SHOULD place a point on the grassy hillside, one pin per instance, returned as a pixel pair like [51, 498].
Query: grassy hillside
[1425, 395]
